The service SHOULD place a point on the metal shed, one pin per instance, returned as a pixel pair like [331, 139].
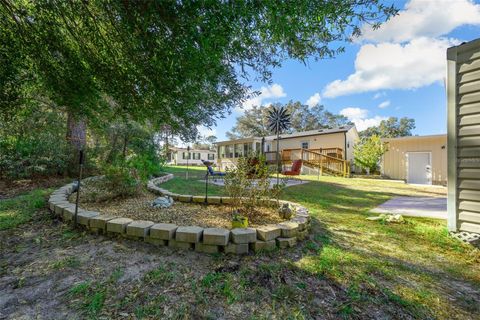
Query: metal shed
[416, 159]
[463, 100]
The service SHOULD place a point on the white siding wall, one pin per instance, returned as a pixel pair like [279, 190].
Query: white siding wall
[203, 156]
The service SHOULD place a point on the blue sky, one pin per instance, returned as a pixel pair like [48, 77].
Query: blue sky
[398, 70]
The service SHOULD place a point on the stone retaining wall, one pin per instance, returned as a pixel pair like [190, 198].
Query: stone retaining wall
[209, 240]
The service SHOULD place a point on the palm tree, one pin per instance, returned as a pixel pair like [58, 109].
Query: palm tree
[278, 122]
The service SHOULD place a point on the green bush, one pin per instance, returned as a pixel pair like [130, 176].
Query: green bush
[368, 153]
[33, 145]
[248, 183]
[118, 181]
[146, 165]
[123, 181]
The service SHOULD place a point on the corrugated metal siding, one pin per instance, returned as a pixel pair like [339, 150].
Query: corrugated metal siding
[468, 138]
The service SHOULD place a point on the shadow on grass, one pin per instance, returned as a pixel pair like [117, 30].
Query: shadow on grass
[341, 271]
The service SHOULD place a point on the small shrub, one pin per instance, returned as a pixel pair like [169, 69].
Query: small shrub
[146, 165]
[249, 185]
[369, 152]
[119, 181]
[122, 181]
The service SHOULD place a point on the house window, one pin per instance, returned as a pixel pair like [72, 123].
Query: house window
[196, 156]
[229, 151]
[211, 156]
[238, 150]
[186, 155]
[221, 152]
[305, 145]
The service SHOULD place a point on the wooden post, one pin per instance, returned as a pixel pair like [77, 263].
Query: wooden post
[321, 165]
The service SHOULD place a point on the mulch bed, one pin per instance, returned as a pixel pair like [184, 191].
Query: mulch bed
[186, 214]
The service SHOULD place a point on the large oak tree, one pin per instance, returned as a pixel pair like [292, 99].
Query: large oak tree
[181, 63]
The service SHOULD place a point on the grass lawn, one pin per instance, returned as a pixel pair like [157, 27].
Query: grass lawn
[16, 211]
[350, 268]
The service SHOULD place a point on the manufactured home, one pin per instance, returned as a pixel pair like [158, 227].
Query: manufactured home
[416, 159]
[463, 101]
[324, 150]
[183, 156]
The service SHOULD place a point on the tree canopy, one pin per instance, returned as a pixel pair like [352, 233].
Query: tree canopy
[254, 121]
[391, 128]
[174, 62]
[122, 75]
[368, 152]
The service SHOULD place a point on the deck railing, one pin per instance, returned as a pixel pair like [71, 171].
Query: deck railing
[327, 160]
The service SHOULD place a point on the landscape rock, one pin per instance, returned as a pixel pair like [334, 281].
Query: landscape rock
[100, 222]
[263, 245]
[118, 225]
[192, 234]
[198, 199]
[302, 235]
[139, 228]
[301, 221]
[216, 236]
[214, 199]
[206, 248]
[286, 242]
[156, 242]
[237, 248]
[285, 211]
[164, 231]
[395, 218]
[180, 244]
[184, 198]
[289, 229]
[268, 232]
[243, 235]
[162, 202]
[84, 217]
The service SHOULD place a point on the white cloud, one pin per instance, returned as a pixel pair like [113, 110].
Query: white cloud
[418, 63]
[384, 104]
[379, 95]
[314, 100]
[274, 91]
[354, 113]
[204, 131]
[363, 124]
[422, 18]
[359, 117]
[407, 51]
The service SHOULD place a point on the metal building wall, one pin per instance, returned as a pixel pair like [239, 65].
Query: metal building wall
[463, 99]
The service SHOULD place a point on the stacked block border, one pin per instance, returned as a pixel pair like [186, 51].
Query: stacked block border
[207, 240]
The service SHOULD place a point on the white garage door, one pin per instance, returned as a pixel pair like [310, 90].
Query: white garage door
[419, 168]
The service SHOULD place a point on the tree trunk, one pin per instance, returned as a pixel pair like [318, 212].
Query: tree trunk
[76, 138]
[125, 142]
[76, 131]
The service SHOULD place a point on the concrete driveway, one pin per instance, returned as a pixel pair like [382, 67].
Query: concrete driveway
[428, 207]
